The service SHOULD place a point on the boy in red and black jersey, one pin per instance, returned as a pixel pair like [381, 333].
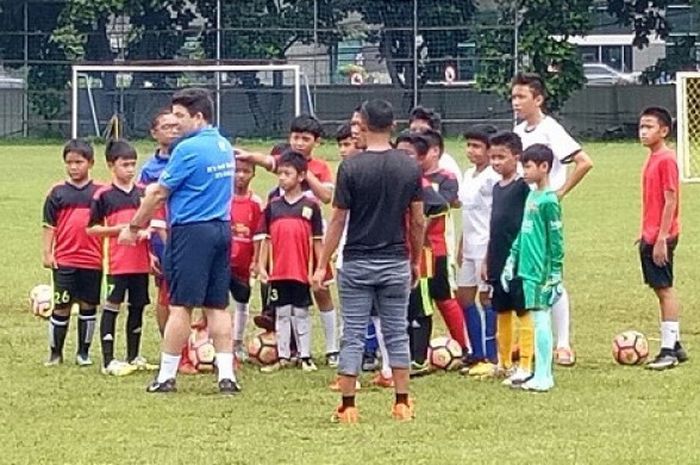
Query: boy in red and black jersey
[291, 230]
[74, 257]
[126, 267]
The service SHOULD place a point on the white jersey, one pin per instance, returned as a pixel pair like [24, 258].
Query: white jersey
[476, 195]
[448, 163]
[552, 134]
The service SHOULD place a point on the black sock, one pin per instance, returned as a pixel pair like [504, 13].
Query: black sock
[86, 328]
[133, 332]
[402, 398]
[348, 401]
[419, 331]
[108, 325]
[58, 328]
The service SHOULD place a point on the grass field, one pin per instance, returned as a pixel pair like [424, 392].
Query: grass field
[598, 413]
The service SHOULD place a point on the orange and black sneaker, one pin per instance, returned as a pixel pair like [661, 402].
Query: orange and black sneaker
[345, 415]
[403, 412]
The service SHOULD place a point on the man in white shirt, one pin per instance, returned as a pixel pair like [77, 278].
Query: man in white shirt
[528, 96]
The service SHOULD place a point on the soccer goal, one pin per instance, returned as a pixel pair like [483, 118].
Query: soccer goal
[250, 100]
[688, 125]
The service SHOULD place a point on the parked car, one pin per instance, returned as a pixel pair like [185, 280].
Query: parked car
[600, 74]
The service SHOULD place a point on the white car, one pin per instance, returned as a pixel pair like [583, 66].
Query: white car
[600, 74]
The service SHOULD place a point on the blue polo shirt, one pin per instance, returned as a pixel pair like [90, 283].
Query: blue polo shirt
[199, 177]
[152, 169]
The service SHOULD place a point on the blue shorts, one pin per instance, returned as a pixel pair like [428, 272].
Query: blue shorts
[196, 264]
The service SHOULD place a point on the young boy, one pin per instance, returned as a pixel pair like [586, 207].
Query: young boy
[528, 97]
[536, 257]
[291, 229]
[660, 230]
[246, 209]
[74, 258]
[475, 195]
[508, 207]
[127, 267]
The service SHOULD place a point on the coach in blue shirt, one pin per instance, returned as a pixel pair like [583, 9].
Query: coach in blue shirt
[197, 184]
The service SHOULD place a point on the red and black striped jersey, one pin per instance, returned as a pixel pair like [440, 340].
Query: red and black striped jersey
[112, 206]
[446, 184]
[291, 229]
[436, 209]
[67, 211]
[320, 168]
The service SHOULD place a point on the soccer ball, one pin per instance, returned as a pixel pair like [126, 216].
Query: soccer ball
[41, 300]
[630, 348]
[201, 350]
[444, 353]
[262, 348]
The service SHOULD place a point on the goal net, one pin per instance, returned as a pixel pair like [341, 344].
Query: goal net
[688, 123]
[250, 100]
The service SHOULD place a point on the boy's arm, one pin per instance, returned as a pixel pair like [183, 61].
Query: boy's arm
[582, 165]
[318, 248]
[332, 240]
[263, 260]
[105, 231]
[321, 190]
[260, 159]
[660, 252]
[156, 194]
[48, 258]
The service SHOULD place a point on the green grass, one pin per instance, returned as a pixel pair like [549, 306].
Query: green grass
[598, 412]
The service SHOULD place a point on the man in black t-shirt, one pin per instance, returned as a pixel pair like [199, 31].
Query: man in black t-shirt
[378, 194]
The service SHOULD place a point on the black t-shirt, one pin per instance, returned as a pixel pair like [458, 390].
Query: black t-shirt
[377, 189]
[506, 217]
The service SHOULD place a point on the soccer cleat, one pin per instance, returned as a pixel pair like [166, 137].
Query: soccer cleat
[369, 362]
[403, 412]
[419, 369]
[518, 377]
[277, 366]
[54, 360]
[118, 368]
[264, 321]
[347, 415]
[382, 382]
[335, 385]
[308, 365]
[240, 354]
[665, 360]
[142, 364]
[83, 360]
[229, 387]
[484, 370]
[163, 388]
[332, 359]
[564, 357]
[534, 386]
[681, 354]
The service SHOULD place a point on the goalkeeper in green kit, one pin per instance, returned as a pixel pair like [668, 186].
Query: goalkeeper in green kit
[536, 258]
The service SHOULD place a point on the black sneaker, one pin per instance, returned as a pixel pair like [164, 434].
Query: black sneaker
[332, 359]
[229, 387]
[665, 360]
[681, 354]
[164, 387]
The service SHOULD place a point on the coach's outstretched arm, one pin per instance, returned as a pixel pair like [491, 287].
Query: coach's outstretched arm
[156, 194]
[335, 231]
[582, 165]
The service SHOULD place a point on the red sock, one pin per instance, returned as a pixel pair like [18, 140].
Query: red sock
[454, 319]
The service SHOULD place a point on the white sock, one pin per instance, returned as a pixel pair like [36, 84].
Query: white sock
[329, 320]
[240, 318]
[283, 329]
[301, 321]
[168, 367]
[224, 365]
[386, 369]
[561, 319]
[669, 334]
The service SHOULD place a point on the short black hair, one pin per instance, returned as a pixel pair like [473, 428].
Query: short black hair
[434, 139]
[481, 132]
[279, 148]
[509, 140]
[196, 100]
[156, 118]
[538, 154]
[343, 132]
[661, 114]
[533, 80]
[307, 123]
[426, 114]
[81, 147]
[416, 139]
[294, 159]
[378, 114]
[119, 148]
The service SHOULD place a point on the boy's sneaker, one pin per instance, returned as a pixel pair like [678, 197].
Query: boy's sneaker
[83, 360]
[419, 369]
[403, 412]
[229, 387]
[142, 364]
[164, 387]
[308, 365]
[533, 386]
[518, 377]
[369, 362]
[264, 321]
[347, 415]
[118, 368]
[665, 360]
[483, 370]
[277, 366]
[564, 357]
[335, 385]
[332, 359]
[681, 354]
[54, 360]
[240, 354]
[380, 381]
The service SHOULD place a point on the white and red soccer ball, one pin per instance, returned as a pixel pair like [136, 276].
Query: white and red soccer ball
[262, 348]
[630, 348]
[444, 353]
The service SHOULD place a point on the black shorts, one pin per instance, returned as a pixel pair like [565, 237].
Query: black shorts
[240, 290]
[503, 301]
[420, 302]
[286, 292]
[72, 284]
[657, 277]
[131, 287]
[439, 284]
[197, 266]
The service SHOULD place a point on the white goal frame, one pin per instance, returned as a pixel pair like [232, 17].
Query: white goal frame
[683, 133]
[78, 70]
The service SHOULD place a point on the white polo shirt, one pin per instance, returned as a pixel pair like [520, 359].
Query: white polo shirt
[476, 195]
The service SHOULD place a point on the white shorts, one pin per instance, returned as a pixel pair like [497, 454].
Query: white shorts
[470, 275]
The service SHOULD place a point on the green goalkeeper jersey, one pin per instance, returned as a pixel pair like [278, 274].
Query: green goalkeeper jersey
[538, 251]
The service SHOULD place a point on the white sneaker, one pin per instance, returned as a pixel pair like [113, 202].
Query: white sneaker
[83, 361]
[308, 365]
[118, 368]
[518, 377]
[142, 364]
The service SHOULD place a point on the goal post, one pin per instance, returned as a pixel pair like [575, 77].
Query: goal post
[688, 125]
[271, 88]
